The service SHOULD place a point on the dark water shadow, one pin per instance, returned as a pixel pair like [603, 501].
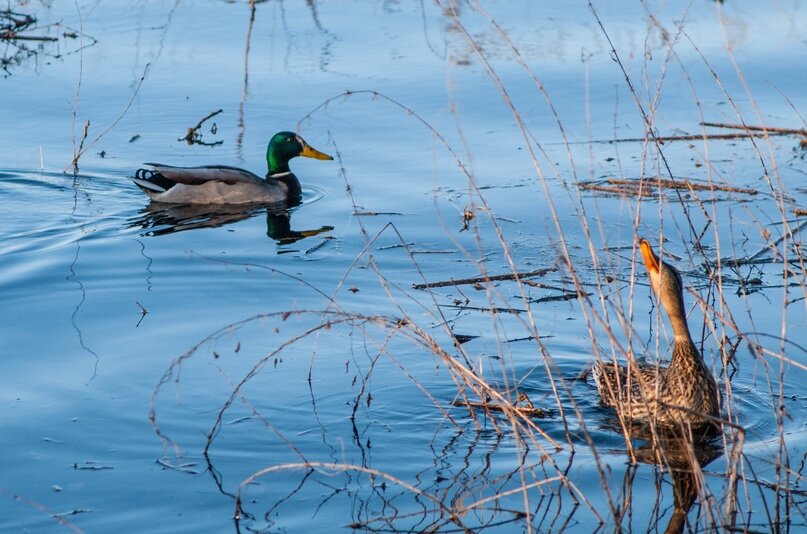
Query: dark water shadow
[164, 219]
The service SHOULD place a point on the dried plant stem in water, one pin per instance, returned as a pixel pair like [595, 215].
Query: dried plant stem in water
[646, 187]
[767, 129]
[483, 279]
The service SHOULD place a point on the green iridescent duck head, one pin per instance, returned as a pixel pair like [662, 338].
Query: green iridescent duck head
[287, 145]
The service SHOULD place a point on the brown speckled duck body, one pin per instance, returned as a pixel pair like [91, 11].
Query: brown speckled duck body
[685, 391]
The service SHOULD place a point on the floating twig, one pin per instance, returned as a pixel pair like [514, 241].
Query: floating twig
[527, 338]
[375, 213]
[749, 132]
[567, 295]
[767, 129]
[14, 36]
[89, 465]
[528, 409]
[194, 137]
[11, 23]
[492, 309]
[183, 468]
[143, 312]
[483, 279]
[464, 338]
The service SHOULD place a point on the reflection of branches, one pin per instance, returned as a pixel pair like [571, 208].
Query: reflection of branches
[239, 142]
[59, 518]
[443, 514]
[74, 316]
[14, 30]
[470, 498]
[149, 262]
[165, 27]
[72, 278]
[466, 496]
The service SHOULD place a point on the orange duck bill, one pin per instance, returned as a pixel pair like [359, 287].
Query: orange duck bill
[651, 261]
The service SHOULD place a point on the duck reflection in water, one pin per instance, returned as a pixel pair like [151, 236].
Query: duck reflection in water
[163, 219]
[683, 452]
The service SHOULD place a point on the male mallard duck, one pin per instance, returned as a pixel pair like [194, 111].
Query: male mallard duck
[220, 184]
[683, 392]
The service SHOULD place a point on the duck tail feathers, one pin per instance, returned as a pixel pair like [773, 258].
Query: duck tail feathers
[147, 186]
[152, 180]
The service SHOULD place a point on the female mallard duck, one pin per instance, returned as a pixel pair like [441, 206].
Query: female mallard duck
[683, 392]
[220, 184]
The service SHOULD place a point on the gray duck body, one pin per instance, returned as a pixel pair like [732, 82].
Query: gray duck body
[221, 184]
[217, 184]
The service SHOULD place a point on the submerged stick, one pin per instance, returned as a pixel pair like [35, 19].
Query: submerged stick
[770, 129]
[482, 279]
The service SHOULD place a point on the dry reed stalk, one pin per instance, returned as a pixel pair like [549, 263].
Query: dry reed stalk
[78, 152]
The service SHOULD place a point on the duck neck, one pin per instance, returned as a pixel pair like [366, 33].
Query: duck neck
[684, 348]
[293, 188]
[276, 162]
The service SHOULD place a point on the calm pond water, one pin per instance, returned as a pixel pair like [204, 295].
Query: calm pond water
[162, 366]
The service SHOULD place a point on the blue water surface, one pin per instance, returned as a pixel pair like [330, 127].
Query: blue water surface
[153, 361]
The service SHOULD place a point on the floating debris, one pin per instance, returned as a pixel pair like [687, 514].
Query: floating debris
[464, 338]
[490, 309]
[89, 465]
[522, 406]
[482, 279]
[748, 131]
[184, 468]
[194, 135]
[650, 187]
